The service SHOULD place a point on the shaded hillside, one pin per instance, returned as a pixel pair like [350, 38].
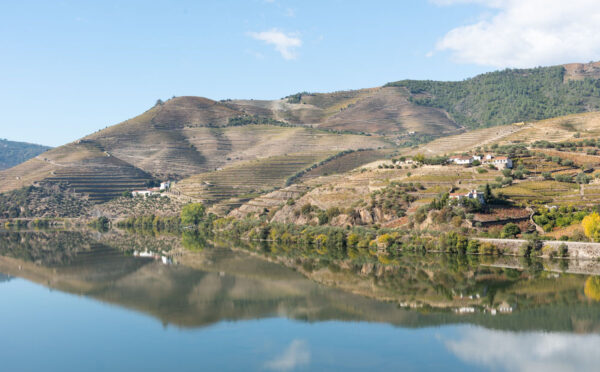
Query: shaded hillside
[13, 153]
[512, 95]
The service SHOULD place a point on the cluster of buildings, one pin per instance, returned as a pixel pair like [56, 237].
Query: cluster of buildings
[164, 186]
[498, 161]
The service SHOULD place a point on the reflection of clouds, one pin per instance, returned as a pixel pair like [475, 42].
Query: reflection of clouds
[295, 355]
[531, 351]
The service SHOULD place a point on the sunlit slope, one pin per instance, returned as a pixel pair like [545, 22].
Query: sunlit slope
[376, 110]
[191, 135]
[388, 110]
[182, 137]
[585, 125]
[242, 181]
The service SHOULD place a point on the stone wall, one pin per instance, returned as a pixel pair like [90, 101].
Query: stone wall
[577, 250]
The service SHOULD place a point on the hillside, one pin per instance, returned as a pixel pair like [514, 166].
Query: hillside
[562, 128]
[231, 151]
[13, 153]
[386, 110]
[182, 137]
[511, 95]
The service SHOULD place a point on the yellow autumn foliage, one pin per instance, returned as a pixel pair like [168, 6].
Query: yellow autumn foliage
[591, 226]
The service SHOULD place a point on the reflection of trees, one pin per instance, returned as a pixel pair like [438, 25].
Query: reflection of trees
[592, 288]
[47, 248]
[194, 240]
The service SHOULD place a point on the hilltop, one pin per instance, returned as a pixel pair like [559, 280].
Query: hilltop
[13, 153]
[511, 95]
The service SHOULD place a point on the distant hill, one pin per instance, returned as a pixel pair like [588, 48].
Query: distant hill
[13, 153]
[512, 95]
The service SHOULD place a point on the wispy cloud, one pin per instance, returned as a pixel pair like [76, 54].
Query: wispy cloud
[297, 354]
[525, 33]
[285, 44]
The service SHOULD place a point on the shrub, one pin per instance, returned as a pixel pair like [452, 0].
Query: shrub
[510, 230]
[306, 209]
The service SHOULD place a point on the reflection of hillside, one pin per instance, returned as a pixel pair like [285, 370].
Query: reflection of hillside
[222, 284]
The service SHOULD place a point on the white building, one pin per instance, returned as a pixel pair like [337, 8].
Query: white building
[165, 185]
[502, 162]
[461, 160]
[148, 192]
[473, 194]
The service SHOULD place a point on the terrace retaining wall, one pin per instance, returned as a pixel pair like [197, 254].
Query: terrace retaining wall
[577, 250]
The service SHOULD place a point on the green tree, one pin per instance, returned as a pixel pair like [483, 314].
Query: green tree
[510, 230]
[192, 214]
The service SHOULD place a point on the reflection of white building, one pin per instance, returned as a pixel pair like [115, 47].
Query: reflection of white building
[149, 254]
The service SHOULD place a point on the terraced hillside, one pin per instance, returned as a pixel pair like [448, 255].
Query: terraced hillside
[236, 149]
[190, 135]
[585, 125]
[232, 185]
[389, 111]
[182, 137]
[346, 163]
[82, 166]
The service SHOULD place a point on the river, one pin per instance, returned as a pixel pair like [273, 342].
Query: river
[75, 301]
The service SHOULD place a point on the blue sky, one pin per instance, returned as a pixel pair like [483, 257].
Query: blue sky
[69, 68]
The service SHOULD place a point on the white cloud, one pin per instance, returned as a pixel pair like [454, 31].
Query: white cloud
[297, 354]
[285, 44]
[527, 33]
[527, 351]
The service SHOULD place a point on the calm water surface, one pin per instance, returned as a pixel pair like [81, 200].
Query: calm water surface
[86, 303]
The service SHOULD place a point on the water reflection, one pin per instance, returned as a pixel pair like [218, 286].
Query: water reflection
[297, 354]
[531, 351]
[189, 285]
[5, 278]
